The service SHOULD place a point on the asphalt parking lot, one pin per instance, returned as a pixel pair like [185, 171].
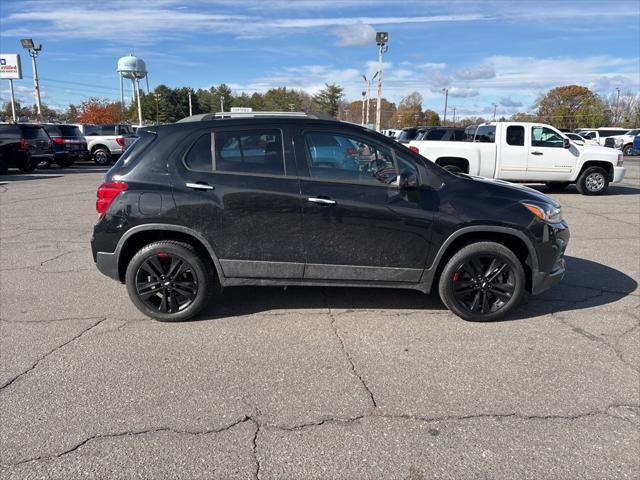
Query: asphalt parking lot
[312, 383]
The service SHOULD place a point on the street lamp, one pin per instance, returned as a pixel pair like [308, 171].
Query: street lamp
[34, 50]
[446, 99]
[364, 96]
[382, 38]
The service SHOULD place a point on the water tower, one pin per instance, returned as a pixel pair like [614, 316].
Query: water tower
[134, 69]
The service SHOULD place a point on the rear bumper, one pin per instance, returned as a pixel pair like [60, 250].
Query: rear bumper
[107, 263]
[618, 174]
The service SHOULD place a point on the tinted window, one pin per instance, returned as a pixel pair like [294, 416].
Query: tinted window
[70, 131]
[353, 160]
[515, 135]
[9, 130]
[107, 130]
[459, 135]
[32, 133]
[435, 134]
[91, 130]
[258, 151]
[589, 135]
[545, 137]
[199, 156]
[486, 134]
[408, 134]
[53, 130]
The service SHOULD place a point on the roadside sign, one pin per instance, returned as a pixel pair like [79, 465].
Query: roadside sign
[241, 110]
[10, 68]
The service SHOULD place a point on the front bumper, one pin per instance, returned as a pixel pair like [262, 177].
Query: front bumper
[550, 268]
[618, 174]
[542, 281]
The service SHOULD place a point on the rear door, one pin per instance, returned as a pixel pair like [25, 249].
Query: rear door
[513, 153]
[38, 139]
[358, 226]
[548, 159]
[236, 188]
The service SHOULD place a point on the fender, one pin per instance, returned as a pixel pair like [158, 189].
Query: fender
[429, 273]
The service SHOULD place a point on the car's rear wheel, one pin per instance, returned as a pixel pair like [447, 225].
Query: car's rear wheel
[593, 181]
[3, 166]
[29, 166]
[102, 156]
[628, 150]
[482, 282]
[169, 281]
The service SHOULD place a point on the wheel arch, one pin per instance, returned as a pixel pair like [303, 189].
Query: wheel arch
[98, 146]
[607, 166]
[137, 237]
[513, 239]
[459, 162]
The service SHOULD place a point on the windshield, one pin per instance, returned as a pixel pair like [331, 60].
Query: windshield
[633, 132]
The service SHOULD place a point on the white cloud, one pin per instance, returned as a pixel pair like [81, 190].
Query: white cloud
[476, 72]
[463, 92]
[509, 102]
[358, 34]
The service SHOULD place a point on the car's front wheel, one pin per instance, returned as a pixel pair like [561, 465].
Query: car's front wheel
[593, 181]
[169, 281]
[482, 282]
[628, 150]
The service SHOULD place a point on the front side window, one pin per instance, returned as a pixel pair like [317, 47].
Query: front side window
[251, 151]
[545, 137]
[486, 134]
[339, 157]
[515, 135]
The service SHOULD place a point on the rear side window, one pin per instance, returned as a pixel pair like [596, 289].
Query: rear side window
[486, 134]
[250, 151]
[9, 131]
[70, 131]
[459, 135]
[408, 134]
[92, 130]
[435, 134]
[53, 130]
[515, 135]
[32, 133]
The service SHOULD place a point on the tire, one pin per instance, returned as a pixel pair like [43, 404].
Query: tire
[101, 156]
[557, 185]
[160, 295]
[593, 181]
[29, 166]
[3, 167]
[466, 280]
[453, 169]
[627, 150]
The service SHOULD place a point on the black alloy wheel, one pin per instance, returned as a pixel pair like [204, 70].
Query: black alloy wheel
[483, 281]
[169, 281]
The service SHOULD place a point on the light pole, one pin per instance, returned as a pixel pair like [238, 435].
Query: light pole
[190, 106]
[364, 96]
[495, 107]
[381, 40]
[34, 50]
[454, 116]
[617, 119]
[369, 94]
[446, 99]
[157, 96]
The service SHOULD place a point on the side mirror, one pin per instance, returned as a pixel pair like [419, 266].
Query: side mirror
[566, 143]
[407, 180]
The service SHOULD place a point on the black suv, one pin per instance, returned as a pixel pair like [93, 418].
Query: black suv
[23, 146]
[443, 134]
[69, 145]
[211, 202]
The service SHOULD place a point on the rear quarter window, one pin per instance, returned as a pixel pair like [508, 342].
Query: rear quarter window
[9, 131]
[32, 133]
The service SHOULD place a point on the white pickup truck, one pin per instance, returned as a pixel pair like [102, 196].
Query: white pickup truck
[107, 141]
[527, 152]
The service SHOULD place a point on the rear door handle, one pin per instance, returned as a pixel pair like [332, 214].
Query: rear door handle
[199, 186]
[537, 153]
[321, 201]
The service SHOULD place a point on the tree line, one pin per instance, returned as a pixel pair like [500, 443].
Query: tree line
[569, 106]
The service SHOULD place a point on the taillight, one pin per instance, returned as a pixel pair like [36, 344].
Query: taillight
[120, 141]
[24, 145]
[106, 193]
[58, 140]
[414, 149]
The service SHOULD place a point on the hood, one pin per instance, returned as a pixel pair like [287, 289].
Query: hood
[600, 151]
[527, 193]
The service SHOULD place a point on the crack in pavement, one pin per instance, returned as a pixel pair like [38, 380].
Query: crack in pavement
[131, 433]
[30, 369]
[254, 445]
[343, 347]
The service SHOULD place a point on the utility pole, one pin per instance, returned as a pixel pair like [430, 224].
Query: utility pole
[13, 101]
[454, 116]
[221, 104]
[381, 40]
[369, 94]
[364, 96]
[495, 107]
[190, 106]
[34, 50]
[157, 96]
[446, 99]
[617, 119]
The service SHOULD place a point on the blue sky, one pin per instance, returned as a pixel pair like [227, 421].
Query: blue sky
[492, 51]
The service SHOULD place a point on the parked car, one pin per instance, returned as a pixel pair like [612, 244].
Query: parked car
[622, 142]
[408, 134]
[444, 134]
[184, 211]
[599, 135]
[23, 146]
[528, 152]
[106, 142]
[578, 140]
[636, 145]
[69, 145]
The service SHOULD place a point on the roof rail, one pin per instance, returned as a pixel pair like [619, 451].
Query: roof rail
[202, 117]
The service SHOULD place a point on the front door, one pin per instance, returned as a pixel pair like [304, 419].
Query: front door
[548, 159]
[236, 187]
[358, 225]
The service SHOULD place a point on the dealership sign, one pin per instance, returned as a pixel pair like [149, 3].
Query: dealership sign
[10, 68]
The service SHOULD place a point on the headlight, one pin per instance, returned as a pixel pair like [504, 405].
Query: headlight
[545, 212]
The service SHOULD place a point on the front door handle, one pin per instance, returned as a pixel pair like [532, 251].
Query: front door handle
[537, 153]
[321, 201]
[199, 186]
